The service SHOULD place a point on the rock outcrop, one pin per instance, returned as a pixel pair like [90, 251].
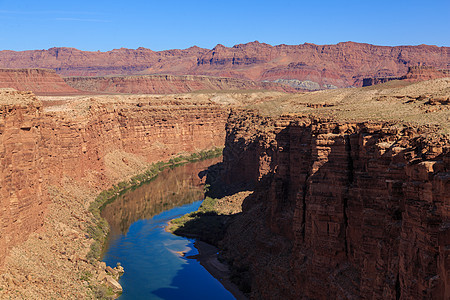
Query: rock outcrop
[342, 65]
[305, 85]
[349, 209]
[39, 81]
[422, 73]
[168, 84]
[415, 74]
[22, 199]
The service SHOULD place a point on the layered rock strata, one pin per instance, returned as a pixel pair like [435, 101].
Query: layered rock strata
[92, 141]
[22, 199]
[341, 65]
[40, 81]
[167, 84]
[349, 209]
[415, 74]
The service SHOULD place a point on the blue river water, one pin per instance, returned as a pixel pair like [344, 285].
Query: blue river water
[153, 263]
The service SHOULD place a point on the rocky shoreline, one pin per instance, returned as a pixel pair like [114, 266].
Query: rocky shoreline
[208, 258]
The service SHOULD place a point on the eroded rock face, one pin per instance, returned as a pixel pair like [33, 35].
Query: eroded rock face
[167, 84]
[341, 65]
[154, 130]
[22, 199]
[422, 73]
[415, 74]
[91, 142]
[354, 210]
[40, 81]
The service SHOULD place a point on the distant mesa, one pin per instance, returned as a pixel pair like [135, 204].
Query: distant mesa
[341, 65]
[48, 83]
[168, 84]
[415, 74]
[40, 81]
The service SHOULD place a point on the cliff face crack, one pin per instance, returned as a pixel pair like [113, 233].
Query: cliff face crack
[305, 188]
[398, 290]
[305, 192]
[350, 172]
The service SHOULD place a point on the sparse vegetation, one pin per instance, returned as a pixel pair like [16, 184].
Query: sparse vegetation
[102, 292]
[211, 219]
[85, 276]
[406, 103]
[100, 229]
[208, 223]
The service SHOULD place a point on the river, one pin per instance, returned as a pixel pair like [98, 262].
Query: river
[155, 261]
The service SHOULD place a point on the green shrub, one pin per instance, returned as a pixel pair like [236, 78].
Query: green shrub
[102, 292]
[99, 231]
[86, 276]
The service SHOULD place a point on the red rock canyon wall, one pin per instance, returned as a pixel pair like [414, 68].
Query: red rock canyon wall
[353, 210]
[40, 148]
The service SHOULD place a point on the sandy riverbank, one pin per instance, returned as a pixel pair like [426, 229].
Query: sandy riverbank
[208, 259]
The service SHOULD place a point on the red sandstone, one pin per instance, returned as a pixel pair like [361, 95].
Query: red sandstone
[167, 84]
[39, 148]
[342, 65]
[40, 81]
[353, 210]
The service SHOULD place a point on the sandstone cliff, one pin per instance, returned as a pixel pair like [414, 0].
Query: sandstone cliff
[342, 65]
[415, 74]
[22, 200]
[422, 73]
[167, 84]
[55, 159]
[351, 186]
[353, 209]
[40, 81]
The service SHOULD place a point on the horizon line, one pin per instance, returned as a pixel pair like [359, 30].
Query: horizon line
[221, 45]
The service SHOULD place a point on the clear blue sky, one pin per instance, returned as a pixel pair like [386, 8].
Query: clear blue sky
[177, 24]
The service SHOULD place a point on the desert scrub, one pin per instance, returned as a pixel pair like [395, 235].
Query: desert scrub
[211, 219]
[206, 224]
[99, 230]
[85, 276]
[102, 292]
[207, 207]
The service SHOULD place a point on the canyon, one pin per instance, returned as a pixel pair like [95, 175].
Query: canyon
[341, 65]
[47, 82]
[355, 208]
[342, 209]
[55, 158]
[350, 186]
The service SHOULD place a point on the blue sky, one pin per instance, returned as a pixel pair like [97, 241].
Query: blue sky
[105, 25]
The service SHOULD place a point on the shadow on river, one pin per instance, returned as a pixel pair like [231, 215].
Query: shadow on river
[172, 188]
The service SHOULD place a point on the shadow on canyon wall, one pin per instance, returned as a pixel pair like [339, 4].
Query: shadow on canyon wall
[338, 209]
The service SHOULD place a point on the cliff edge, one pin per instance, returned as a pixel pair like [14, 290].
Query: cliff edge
[351, 195]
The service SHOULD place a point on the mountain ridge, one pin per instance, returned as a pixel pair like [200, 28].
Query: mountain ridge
[343, 64]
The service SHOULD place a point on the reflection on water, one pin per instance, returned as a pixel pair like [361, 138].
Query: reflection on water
[172, 188]
[154, 268]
